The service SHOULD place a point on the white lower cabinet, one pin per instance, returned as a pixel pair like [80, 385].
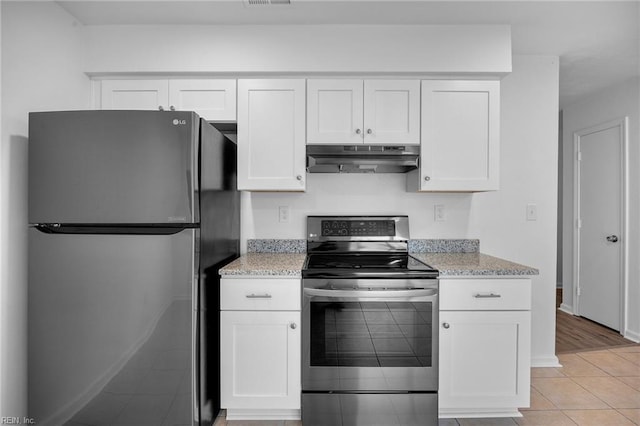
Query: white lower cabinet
[485, 334]
[260, 348]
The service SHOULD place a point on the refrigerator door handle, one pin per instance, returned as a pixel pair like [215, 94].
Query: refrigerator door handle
[195, 331]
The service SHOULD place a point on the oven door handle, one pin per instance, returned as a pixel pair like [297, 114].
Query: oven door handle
[371, 294]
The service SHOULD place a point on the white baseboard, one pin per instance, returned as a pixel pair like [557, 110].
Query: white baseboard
[632, 335]
[550, 361]
[262, 414]
[566, 308]
[452, 413]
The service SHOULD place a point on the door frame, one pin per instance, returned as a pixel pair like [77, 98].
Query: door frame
[623, 125]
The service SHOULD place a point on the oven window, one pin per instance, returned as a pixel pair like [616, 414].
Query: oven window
[371, 334]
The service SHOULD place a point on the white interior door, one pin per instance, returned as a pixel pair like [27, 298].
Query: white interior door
[600, 207]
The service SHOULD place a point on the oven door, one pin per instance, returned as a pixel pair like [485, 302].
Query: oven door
[372, 335]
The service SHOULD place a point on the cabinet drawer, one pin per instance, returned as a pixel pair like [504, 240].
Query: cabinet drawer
[259, 294]
[485, 294]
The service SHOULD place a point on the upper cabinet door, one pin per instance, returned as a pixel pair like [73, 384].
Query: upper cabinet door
[334, 111]
[392, 112]
[460, 146]
[271, 135]
[134, 94]
[382, 112]
[211, 99]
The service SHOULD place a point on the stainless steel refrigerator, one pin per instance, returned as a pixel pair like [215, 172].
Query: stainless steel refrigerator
[131, 215]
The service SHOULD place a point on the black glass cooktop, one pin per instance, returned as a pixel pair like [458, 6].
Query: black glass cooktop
[348, 264]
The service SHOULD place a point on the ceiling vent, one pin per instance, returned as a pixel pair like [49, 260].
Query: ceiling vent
[266, 2]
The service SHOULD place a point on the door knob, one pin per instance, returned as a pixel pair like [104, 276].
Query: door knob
[612, 238]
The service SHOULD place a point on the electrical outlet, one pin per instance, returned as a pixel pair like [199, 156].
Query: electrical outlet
[283, 214]
[439, 213]
[532, 212]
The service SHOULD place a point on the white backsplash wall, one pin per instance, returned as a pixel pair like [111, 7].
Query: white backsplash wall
[353, 194]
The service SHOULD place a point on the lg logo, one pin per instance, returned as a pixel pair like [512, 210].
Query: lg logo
[177, 122]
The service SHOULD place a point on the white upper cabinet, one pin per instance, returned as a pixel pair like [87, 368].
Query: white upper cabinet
[354, 111]
[134, 94]
[460, 146]
[271, 129]
[211, 99]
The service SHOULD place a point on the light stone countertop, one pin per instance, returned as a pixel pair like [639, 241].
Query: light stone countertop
[463, 264]
[258, 264]
[449, 264]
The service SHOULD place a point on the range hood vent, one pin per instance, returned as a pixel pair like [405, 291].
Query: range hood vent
[362, 158]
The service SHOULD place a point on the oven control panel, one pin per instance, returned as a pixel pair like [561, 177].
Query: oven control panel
[348, 229]
[358, 228]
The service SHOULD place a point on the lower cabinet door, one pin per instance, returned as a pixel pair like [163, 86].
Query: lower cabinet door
[260, 360]
[484, 359]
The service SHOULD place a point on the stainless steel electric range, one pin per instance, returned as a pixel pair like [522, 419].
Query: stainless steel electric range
[369, 325]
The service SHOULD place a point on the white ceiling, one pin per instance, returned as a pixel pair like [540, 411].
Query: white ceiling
[597, 41]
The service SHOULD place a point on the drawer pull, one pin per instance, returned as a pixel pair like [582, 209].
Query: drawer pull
[487, 296]
[258, 296]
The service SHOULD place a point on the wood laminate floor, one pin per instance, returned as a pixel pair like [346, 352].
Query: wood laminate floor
[577, 334]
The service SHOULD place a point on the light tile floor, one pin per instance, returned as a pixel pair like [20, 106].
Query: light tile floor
[599, 388]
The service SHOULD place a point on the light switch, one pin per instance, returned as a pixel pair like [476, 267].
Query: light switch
[283, 214]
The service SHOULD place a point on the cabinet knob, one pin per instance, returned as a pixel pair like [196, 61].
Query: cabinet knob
[427, 178]
[293, 325]
[369, 131]
[358, 131]
[299, 177]
[172, 108]
[160, 108]
[446, 325]
[612, 238]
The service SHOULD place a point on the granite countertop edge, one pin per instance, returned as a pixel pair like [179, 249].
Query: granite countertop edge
[449, 265]
[266, 264]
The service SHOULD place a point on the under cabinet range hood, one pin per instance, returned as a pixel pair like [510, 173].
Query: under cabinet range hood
[362, 158]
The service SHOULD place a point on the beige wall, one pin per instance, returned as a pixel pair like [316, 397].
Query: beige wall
[41, 70]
